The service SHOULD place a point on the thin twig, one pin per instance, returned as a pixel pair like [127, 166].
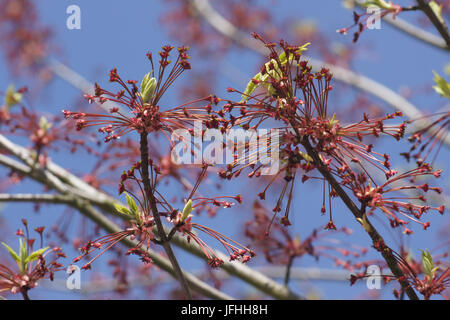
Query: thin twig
[287, 275]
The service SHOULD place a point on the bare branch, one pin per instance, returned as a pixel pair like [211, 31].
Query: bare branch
[416, 32]
[79, 82]
[275, 272]
[29, 197]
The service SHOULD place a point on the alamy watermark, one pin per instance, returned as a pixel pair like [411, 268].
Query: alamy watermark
[373, 22]
[74, 279]
[73, 21]
[373, 280]
[235, 146]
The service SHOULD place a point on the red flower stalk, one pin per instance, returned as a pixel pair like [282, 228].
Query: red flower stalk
[235, 250]
[182, 223]
[280, 247]
[428, 138]
[107, 242]
[142, 224]
[379, 196]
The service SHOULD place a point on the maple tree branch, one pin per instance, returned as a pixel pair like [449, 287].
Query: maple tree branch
[377, 240]
[437, 21]
[97, 198]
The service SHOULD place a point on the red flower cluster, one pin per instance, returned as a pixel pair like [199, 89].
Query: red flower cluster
[145, 112]
[286, 89]
[33, 265]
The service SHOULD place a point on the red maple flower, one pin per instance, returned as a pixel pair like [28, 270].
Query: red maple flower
[33, 265]
[142, 112]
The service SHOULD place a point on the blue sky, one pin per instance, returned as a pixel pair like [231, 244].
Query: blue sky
[118, 34]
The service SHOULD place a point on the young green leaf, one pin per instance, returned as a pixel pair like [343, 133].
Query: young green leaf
[36, 255]
[122, 209]
[427, 264]
[437, 9]
[274, 73]
[442, 86]
[251, 87]
[132, 205]
[306, 156]
[23, 255]
[284, 60]
[44, 124]
[23, 249]
[12, 97]
[187, 210]
[148, 86]
[13, 254]
[377, 3]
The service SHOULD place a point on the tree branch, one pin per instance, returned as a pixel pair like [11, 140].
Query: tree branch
[297, 274]
[106, 203]
[149, 194]
[413, 31]
[440, 25]
[377, 239]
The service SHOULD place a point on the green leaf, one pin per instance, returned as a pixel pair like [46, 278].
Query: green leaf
[13, 254]
[275, 73]
[377, 3]
[306, 156]
[122, 209]
[44, 124]
[442, 86]
[23, 255]
[447, 69]
[284, 60]
[132, 205]
[36, 254]
[333, 121]
[251, 87]
[148, 86]
[303, 48]
[427, 264]
[23, 249]
[12, 97]
[365, 223]
[187, 210]
[437, 9]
